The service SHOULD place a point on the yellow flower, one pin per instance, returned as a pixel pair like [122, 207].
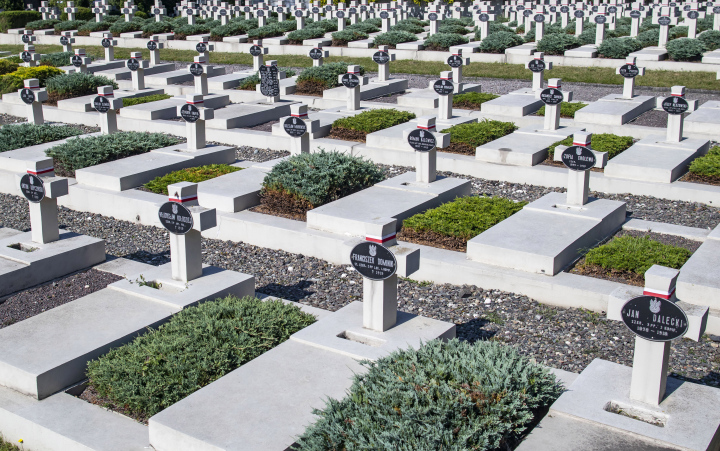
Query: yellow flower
[21, 440]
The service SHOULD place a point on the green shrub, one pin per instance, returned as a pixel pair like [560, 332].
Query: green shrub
[614, 145]
[393, 38]
[249, 83]
[476, 134]
[326, 25]
[355, 128]
[82, 14]
[130, 101]
[233, 28]
[451, 395]
[183, 31]
[472, 100]
[298, 36]
[452, 22]
[363, 27]
[375, 22]
[557, 43]
[706, 23]
[41, 24]
[463, 218]
[708, 165]
[92, 27]
[408, 26]
[125, 27]
[84, 152]
[619, 48]
[69, 25]
[322, 77]
[7, 66]
[13, 81]
[141, 15]
[649, 38]
[17, 19]
[588, 35]
[636, 255]
[455, 29]
[75, 84]
[341, 38]
[443, 41]
[678, 32]
[315, 179]
[499, 42]
[196, 347]
[57, 59]
[272, 30]
[711, 39]
[152, 28]
[494, 27]
[195, 175]
[16, 136]
[685, 49]
[567, 109]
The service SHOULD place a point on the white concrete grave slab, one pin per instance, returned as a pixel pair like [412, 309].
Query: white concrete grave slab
[232, 192]
[167, 109]
[699, 279]
[180, 76]
[527, 146]
[249, 114]
[706, 119]
[84, 104]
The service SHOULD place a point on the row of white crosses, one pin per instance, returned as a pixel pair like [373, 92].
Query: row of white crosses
[47, 12]
[28, 55]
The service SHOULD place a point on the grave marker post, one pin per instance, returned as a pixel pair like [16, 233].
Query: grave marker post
[635, 16]
[385, 18]
[539, 17]
[203, 47]
[70, 10]
[353, 13]
[564, 14]
[665, 19]
[352, 80]
[483, 18]
[33, 96]
[629, 71]
[190, 13]
[300, 15]
[98, 11]
[317, 54]
[444, 89]
[66, 40]
[108, 44]
[40, 186]
[553, 97]
[257, 51]
[29, 56]
[44, 10]
[137, 68]
[579, 159]
[340, 15]
[80, 61]
[537, 66]
[456, 62]
[158, 11]
[195, 116]
[107, 105]
[185, 221]
[298, 127]
[129, 11]
[433, 18]
[154, 45]
[600, 20]
[261, 15]
[425, 140]
[383, 57]
[579, 15]
[270, 81]
[716, 18]
[691, 17]
[199, 71]
[676, 105]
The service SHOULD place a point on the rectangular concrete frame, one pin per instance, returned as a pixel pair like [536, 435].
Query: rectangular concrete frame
[249, 114]
[84, 104]
[126, 173]
[512, 104]
[514, 243]
[16, 160]
[693, 418]
[232, 192]
[653, 159]
[699, 281]
[399, 197]
[705, 119]
[614, 110]
[370, 90]
[20, 269]
[525, 147]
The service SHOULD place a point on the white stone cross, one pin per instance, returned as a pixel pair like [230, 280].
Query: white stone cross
[426, 162]
[691, 17]
[629, 82]
[482, 25]
[445, 103]
[540, 17]
[635, 17]
[158, 11]
[716, 17]
[579, 21]
[457, 71]
[154, 45]
[384, 69]
[300, 15]
[433, 17]
[258, 59]
[323, 54]
[675, 121]
[301, 144]
[196, 130]
[186, 250]
[44, 215]
[137, 75]
[110, 49]
[600, 18]
[98, 11]
[665, 19]
[537, 82]
[552, 112]
[70, 10]
[68, 42]
[85, 60]
[353, 94]
[129, 11]
[35, 111]
[578, 188]
[34, 57]
[108, 119]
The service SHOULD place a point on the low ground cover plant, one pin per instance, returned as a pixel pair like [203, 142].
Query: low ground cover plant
[298, 36]
[303, 182]
[15, 136]
[619, 47]
[341, 38]
[451, 225]
[472, 100]
[198, 174]
[196, 347]
[75, 84]
[707, 168]
[443, 396]
[130, 101]
[686, 49]
[80, 153]
[356, 128]
[630, 256]
[557, 43]
[614, 145]
[17, 19]
[314, 80]
[443, 41]
[393, 38]
[57, 59]
[14, 80]
[567, 109]
[711, 39]
[43, 24]
[465, 138]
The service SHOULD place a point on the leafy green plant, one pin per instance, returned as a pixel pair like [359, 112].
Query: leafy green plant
[92, 27]
[83, 13]
[130, 101]
[75, 84]
[80, 153]
[708, 165]
[125, 27]
[451, 395]
[443, 41]
[499, 42]
[152, 28]
[17, 19]
[678, 32]
[69, 25]
[685, 49]
[636, 255]
[408, 26]
[272, 30]
[557, 43]
[393, 38]
[356, 127]
[567, 109]
[619, 47]
[298, 36]
[649, 38]
[183, 31]
[711, 39]
[314, 80]
[57, 59]
[614, 145]
[326, 25]
[196, 347]
[459, 220]
[306, 181]
[16, 136]
[452, 29]
[464, 138]
[341, 38]
[13, 81]
[249, 83]
[7, 66]
[363, 27]
[195, 175]
[588, 35]
[472, 100]
[41, 24]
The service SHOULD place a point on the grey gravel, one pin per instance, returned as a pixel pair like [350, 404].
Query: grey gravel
[259, 155]
[563, 338]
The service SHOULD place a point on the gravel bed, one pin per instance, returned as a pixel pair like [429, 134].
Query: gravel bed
[563, 338]
[8, 119]
[33, 301]
[259, 155]
[264, 127]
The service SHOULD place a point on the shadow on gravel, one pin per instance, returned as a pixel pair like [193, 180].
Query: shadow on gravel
[156, 259]
[293, 293]
[483, 328]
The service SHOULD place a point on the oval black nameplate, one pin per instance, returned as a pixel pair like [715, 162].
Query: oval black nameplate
[381, 57]
[255, 50]
[578, 158]
[190, 113]
[176, 218]
[675, 105]
[27, 95]
[196, 69]
[32, 188]
[654, 318]
[444, 87]
[295, 126]
[316, 54]
[133, 64]
[536, 65]
[629, 71]
[455, 61]
[152, 45]
[551, 96]
[350, 80]
[101, 104]
[422, 140]
[373, 261]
